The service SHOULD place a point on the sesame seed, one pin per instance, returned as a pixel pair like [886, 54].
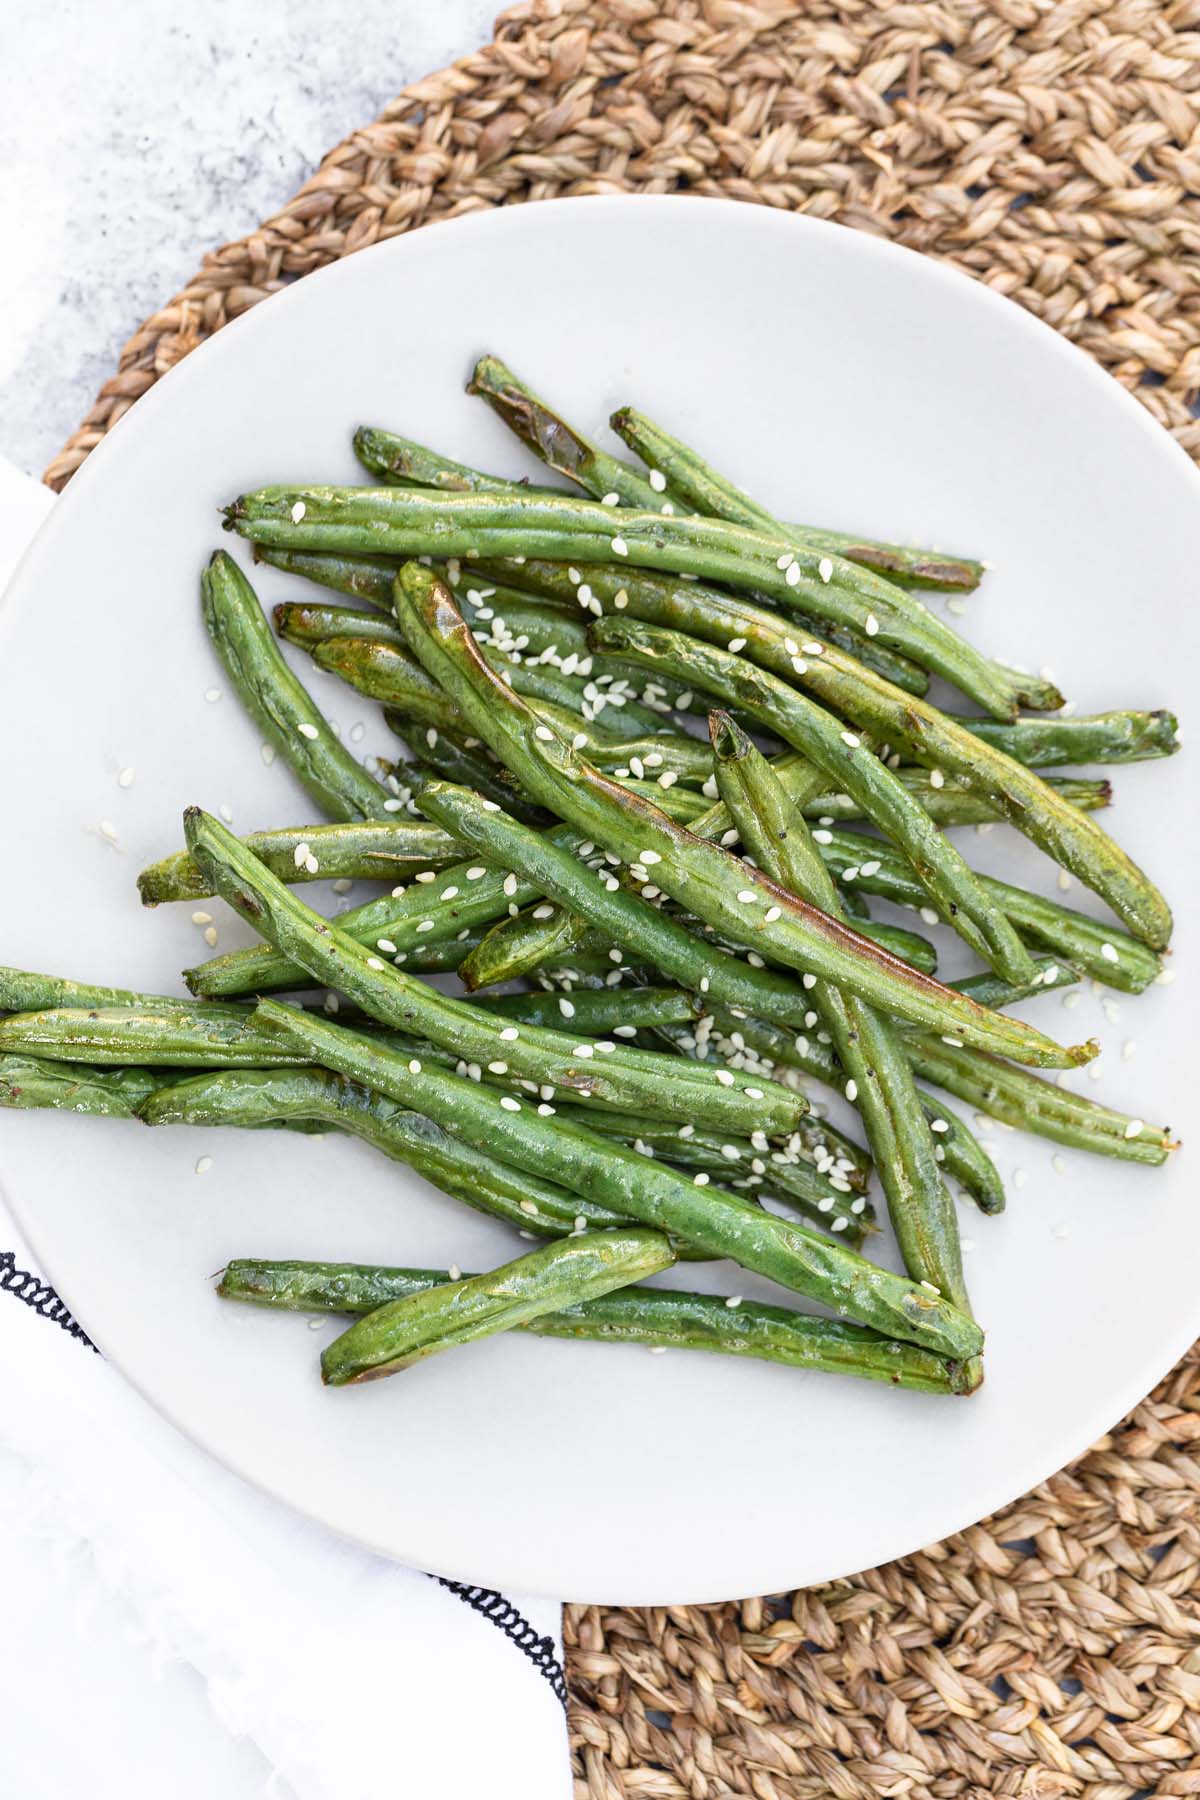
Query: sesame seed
[733, 1300]
[754, 1093]
[386, 945]
[724, 1077]
[929, 915]
[754, 959]
[736, 644]
[527, 1206]
[1058, 1165]
[852, 1091]
[494, 1068]
[939, 1125]
[700, 1180]
[201, 918]
[620, 547]
[373, 962]
[427, 875]
[852, 738]
[823, 837]
[792, 574]
[212, 694]
[547, 1112]
[210, 937]
[825, 569]
[1064, 881]
[808, 981]
[489, 805]
[203, 1165]
[511, 1105]
[306, 730]
[620, 599]
[566, 1007]
[929, 1288]
[781, 562]
[611, 883]
[391, 806]
[414, 1067]
[799, 665]
[1134, 1128]
[298, 512]
[1109, 953]
[510, 885]
[871, 625]
[425, 925]
[772, 913]
[343, 886]
[936, 778]
[658, 481]
[610, 499]
[954, 1043]
[477, 873]
[869, 868]
[1019, 1178]
[747, 896]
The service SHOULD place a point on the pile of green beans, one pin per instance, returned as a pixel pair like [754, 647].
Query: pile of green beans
[690, 917]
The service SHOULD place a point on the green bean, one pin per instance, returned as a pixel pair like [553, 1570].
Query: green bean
[417, 522]
[651, 1317]
[1019, 1099]
[1109, 737]
[556, 443]
[277, 702]
[630, 1080]
[619, 1011]
[373, 850]
[948, 804]
[456, 756]
[720, 1223]
[516, 946]
[366, 578]
[29, 1083]
[711, 493]
[400, 460]
[567, 1273]
[878, 1076]
[844, 758]
[170, 1035]
[1098, 950]
[257, 1098]
[25, 991]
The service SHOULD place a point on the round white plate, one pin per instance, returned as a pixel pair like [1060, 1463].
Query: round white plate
[843, 381]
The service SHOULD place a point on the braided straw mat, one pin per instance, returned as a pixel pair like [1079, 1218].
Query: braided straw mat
[1052, 150]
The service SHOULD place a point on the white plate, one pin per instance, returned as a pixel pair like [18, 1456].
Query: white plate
[844, 381]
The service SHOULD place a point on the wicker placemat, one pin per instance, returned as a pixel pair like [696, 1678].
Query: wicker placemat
[1054, 152]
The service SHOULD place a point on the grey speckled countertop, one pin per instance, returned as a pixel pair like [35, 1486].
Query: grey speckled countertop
[134, 138]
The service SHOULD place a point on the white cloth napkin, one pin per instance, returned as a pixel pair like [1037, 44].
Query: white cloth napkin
[129, 1560]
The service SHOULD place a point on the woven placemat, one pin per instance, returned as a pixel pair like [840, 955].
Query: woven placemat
[1053, 151]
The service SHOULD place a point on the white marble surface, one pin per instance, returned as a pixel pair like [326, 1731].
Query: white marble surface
[132, 139]
[135, 137]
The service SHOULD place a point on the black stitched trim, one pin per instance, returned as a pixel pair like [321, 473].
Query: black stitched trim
[37, 1294]
[516, 1628]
